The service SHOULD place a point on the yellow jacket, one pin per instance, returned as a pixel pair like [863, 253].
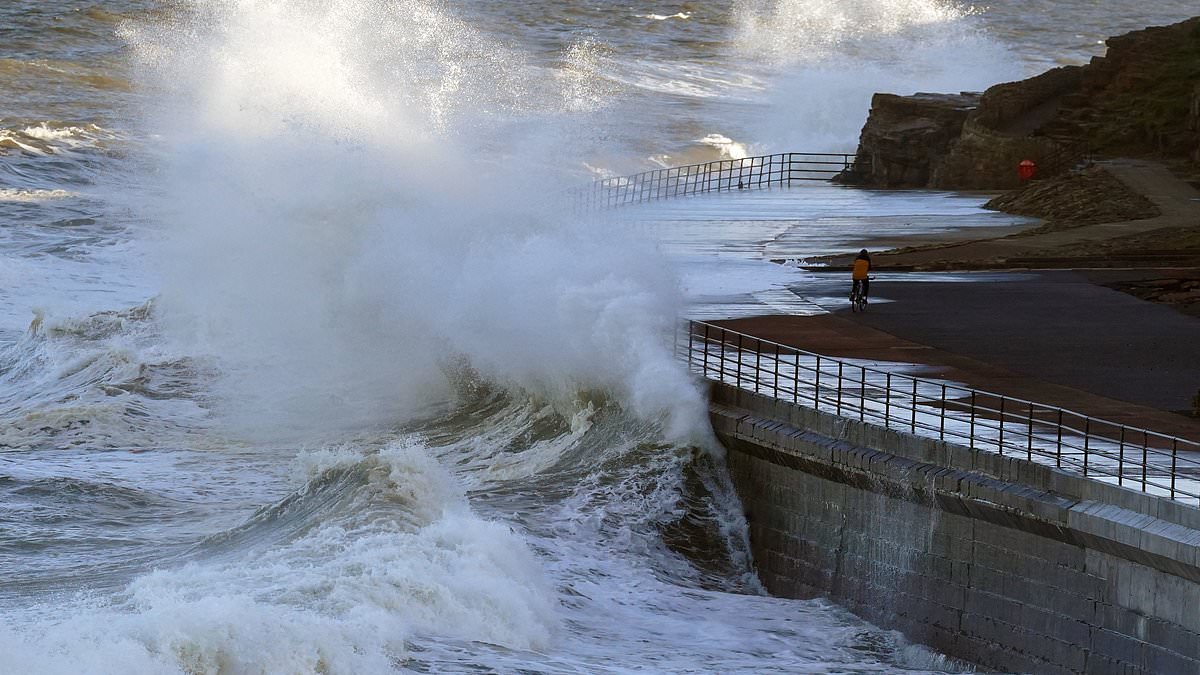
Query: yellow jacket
[861, 267]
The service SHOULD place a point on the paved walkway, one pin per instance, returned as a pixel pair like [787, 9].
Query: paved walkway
[1051, 337]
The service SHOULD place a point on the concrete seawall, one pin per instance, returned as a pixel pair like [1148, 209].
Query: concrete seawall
[999, 561]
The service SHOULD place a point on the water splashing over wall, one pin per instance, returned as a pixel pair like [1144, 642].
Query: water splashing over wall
[827, 58]
[340, 220]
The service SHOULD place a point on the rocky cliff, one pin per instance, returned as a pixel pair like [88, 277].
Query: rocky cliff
[1194, 121]
[908, 137]
[1141, 99]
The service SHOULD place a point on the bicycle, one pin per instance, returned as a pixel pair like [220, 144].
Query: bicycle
[858, 300]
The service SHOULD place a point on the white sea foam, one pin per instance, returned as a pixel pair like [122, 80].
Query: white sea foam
[14, 142]
[405, 557]
[33, 196]
[665, 17]
[47, 138]
[46, 133]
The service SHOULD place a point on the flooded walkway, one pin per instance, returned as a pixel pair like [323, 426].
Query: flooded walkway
[1053, 337]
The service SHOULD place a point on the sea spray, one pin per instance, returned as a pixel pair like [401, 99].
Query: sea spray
[824, 60]
[340, 222]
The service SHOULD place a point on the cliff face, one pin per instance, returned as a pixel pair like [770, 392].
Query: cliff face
[1141, 99]
[1194, 122]
[908, 137]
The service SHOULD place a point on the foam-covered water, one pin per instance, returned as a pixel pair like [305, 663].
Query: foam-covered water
[305, 367]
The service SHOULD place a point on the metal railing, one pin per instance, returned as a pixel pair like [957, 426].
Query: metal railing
[1066, 155]
[1127, 456]
[714, 176]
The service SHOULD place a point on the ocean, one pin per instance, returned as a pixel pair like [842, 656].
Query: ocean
[307, 364]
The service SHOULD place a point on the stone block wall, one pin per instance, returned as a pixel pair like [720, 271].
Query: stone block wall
[998, 561]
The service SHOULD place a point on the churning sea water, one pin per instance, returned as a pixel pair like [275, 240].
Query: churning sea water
[306, 368]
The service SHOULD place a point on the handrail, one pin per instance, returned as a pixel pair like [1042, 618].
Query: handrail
[982, 420]
[1066, 154]
[714, 176]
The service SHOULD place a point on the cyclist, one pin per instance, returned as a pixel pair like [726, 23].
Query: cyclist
[860, 275]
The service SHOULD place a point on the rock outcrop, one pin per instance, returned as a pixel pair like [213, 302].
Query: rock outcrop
[1141, 99]
[1194, 121]
[1080, 198]
[908, 137]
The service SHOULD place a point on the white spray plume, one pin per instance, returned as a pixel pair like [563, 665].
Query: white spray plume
[357, 191]
[828, 57]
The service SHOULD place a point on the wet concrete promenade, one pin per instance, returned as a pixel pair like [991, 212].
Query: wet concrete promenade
[1049, 336]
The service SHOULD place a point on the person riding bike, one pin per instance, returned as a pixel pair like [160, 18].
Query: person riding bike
[861, 275]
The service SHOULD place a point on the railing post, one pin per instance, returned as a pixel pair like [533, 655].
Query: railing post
[690, 330]
[776, 370]
[887, 401]
[817, 386]
[1174, 463]
[1121, 457]
[1145, 457]
[1031, 431]
[942, 428]
[1000, 442]
[914, 406]
[862, 395]
[1058, 444]
[757, 364]
[971, 438]
[839, 389]
[796, 380]
[721, 361]
[738, 372]
[1087, 436]
[704, 370]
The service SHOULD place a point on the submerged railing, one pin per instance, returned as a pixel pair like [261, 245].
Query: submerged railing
[714, 176]
[1156, 463]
